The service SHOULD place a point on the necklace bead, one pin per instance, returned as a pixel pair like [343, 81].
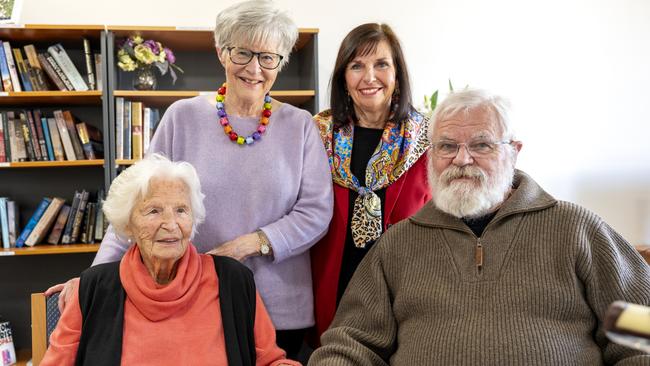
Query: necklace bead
[227, 128]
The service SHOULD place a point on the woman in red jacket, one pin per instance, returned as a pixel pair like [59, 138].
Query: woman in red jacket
[376, 143]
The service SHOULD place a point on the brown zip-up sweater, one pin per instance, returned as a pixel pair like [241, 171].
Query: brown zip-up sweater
[537, 297]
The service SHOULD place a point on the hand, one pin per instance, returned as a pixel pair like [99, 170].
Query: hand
[239, 248]
[66, 289]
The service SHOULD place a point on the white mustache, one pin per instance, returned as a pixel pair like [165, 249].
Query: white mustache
[456, 172]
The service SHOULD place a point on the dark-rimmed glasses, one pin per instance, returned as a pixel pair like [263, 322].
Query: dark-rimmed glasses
[476, 148]
[266, 60]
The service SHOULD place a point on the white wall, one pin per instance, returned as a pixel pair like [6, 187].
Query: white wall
[576, 71]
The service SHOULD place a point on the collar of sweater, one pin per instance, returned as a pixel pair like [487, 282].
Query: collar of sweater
[527, 196]
[158, 302]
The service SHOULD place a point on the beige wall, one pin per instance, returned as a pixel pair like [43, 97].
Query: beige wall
[577, 72]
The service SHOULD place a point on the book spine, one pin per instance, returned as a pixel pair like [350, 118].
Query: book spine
[59, 155]
[89, 64]
[31, 75]
[12, 219]
[39, 75]
[74, 137]
[3, 150]
[4, 71]
[34, 135]
[85, 141]
[127, 130]
[15, 80]
[24, 128]
[76, 229]
[65, 136]
[39, 132]
[57, 230]
[61, 56]
[119, 128]
[18, 142]
[51, 73]
[136, 126]
[146, 129]
[67, 231]
[99, 217]
[4, 223]
[98, 70]
[7, 137]
[20, 242]
[22, 70]
[59, 72]
[48, 139]
[45, 222]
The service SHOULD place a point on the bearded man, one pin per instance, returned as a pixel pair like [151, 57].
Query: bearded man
[492, 271]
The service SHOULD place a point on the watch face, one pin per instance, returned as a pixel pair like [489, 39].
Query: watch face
[264, 249]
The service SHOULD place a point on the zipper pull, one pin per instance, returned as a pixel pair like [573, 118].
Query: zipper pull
[478, 255]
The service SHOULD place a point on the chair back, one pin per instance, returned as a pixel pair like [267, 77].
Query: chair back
[45, 315]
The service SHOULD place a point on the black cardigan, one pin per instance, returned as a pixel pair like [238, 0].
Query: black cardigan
[101, 298]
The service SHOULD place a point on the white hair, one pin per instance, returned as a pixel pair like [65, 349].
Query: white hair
[471, 99]
[132, 185]
[256, 21]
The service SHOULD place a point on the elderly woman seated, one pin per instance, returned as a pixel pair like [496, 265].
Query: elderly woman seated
[163, 303]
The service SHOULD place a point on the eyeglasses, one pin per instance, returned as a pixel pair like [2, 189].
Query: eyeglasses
[242, 56]
[476, 148]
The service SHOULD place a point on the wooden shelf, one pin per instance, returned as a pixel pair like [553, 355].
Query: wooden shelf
[42, 249]
[121, 162]
[52, 164]
[190, 39]
[166, 97]
[93, 97]
[36, 33]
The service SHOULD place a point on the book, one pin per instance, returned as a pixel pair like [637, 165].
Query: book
[40, 210]
[127, 130]
[78, 218]
[57, 69]
[7, 348]
[48, 139]
[34, 118]
[119, 128]
[13, 72]
[99, 217]
[88, 224]
[7, 136]
[98, 70]
[12, 219]
[45, 223]
[31, 74]
[57, 146]
[49, 71]
[74, 137]
[90, 63]
[63, 60]
[67, 230]
[4, 71]
[22, 70]
[39, 75]
[59, 225]
[136, 128]
[3, 150]
[146, 129]
[18, 149]
[91, 141]
[4, 223]
[27, 137]
[65, 136]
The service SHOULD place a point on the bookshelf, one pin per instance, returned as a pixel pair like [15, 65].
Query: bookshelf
[34, 269]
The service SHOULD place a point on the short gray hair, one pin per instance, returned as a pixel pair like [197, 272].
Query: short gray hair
[470, 99]
[133, 183]
[256, 21]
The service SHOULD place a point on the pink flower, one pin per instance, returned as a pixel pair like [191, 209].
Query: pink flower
[170, 55]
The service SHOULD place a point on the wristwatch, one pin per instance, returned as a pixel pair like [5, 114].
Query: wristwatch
[265, 245]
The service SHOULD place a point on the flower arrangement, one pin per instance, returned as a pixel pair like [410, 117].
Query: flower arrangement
[137, 53]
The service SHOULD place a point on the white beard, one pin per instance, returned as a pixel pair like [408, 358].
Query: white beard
[470, 198]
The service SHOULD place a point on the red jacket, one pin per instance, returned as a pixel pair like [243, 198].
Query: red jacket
[403, 198]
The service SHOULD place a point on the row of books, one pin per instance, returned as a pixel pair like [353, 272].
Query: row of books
[55, 222]
[29, 135]
[51, 70]
[134, 129]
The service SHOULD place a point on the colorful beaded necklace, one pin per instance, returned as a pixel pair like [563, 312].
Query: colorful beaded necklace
[227, 128]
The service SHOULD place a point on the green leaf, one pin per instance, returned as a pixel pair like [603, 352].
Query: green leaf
[433, 102]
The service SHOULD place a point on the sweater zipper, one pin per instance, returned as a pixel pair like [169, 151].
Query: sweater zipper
[478, 255]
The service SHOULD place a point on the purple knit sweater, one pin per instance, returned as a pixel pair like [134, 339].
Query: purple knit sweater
[281, 184]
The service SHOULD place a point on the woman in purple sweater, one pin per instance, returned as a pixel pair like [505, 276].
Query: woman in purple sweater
[262, 167]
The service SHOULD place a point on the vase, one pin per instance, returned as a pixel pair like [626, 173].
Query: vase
[145, 79]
